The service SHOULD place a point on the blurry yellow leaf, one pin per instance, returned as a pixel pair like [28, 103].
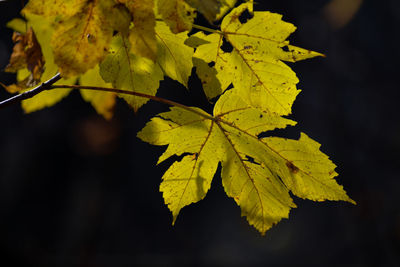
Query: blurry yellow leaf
[18, 25]
[82, 33]
[340, 12]
[225, 7]
[177, 14]
[212, 10]
[173, 56]
[103, 102]
[142, 36]
[44, 100]
[127, 71]
[49, 8]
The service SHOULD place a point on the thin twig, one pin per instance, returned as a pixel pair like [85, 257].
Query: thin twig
[49, 85]
[119, 91]
[31, 93]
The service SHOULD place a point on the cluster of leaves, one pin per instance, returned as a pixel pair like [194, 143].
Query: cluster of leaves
[132, 44]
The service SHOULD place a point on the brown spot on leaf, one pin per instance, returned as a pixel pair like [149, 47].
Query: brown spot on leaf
[292, 168]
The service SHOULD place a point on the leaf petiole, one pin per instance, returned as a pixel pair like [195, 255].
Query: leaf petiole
[199, 27]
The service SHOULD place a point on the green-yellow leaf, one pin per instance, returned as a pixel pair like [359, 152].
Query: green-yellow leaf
[102, 102]
[173, 56]
[127, 71]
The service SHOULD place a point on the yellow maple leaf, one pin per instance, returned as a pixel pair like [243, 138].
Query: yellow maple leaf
[83, 30]
[130, 72]
[255, 65]
[256, 173]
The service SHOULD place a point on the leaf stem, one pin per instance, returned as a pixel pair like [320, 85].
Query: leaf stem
[120, 91]
[199, 27]
[31, 93]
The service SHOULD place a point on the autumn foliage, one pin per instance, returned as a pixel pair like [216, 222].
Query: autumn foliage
[129, 46]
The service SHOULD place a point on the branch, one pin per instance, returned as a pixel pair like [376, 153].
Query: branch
[49, 85]
[119, 91]
[31, 93]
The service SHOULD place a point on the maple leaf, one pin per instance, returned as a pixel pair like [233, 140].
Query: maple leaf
[256, 172]
[255, 65]
[83, 30]
[130, 72]
[177, 14]
[174, 57]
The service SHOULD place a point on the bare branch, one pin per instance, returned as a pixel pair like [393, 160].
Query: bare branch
[31, 93]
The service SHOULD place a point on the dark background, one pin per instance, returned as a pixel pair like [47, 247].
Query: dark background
[78, 190]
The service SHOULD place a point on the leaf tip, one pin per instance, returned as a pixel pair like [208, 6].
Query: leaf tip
[351, 201]
[174, 216]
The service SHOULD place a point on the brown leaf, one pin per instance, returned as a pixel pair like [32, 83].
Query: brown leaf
[27, 53]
